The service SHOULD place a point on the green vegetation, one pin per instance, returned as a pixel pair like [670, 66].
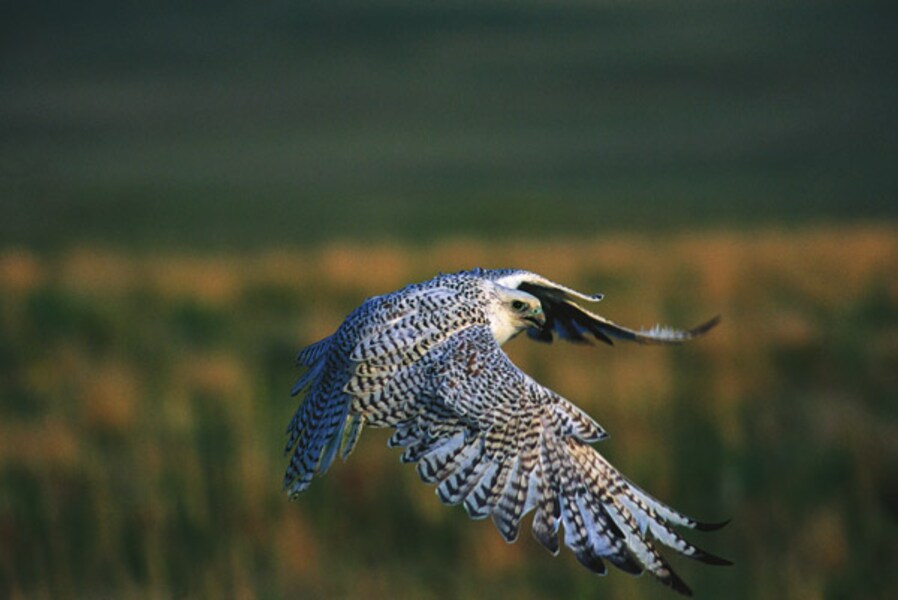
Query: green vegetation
[234, 125]
[144, 399]
[190, 191]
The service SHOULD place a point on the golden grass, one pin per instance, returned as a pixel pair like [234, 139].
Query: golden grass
[145, 397]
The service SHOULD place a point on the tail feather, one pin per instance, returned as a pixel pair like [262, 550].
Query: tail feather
[316, 430]
[315, 447]
[351, 433]
[313, 353]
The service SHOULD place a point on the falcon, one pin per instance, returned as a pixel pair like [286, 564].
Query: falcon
[427, 361]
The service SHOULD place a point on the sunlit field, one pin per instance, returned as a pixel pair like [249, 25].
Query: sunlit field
[145, 396]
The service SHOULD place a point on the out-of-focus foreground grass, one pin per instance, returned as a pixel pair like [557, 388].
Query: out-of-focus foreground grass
[144, 399]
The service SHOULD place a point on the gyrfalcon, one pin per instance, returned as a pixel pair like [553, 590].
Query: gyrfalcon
[427, 361]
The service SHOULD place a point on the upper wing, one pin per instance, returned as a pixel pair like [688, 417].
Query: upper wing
[396, 327]
[572, 322]
[495, 440]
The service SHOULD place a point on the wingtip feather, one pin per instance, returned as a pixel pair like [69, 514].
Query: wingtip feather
[710, 526]
[592, 561]
[626, 563]
[705, 327]
[676, 583]
[711, 559]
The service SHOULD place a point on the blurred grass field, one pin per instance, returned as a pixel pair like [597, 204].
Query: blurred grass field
[144, 397]
[191, 191]
[229, 125]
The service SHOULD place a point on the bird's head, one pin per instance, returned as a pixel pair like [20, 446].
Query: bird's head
[513, 312]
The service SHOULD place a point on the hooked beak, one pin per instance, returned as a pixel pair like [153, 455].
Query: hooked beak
[537, 317]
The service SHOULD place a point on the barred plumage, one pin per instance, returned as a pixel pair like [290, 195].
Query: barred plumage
[426, 360]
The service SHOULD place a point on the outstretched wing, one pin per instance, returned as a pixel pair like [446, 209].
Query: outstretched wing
[494, 440]
[567, 320]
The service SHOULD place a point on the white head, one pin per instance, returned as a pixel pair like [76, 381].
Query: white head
[512, 312]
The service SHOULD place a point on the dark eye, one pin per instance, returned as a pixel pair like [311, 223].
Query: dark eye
[518, 305]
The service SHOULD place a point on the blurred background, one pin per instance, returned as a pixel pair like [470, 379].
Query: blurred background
[192, 191]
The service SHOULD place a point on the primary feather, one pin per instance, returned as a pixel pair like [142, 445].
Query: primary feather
[426, 360]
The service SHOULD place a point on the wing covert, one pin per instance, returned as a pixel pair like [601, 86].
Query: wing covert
[491, 438]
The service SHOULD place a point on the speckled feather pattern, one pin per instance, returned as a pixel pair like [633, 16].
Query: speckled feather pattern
[424, 361]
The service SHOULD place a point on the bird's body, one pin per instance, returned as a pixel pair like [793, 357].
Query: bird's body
[426, 360]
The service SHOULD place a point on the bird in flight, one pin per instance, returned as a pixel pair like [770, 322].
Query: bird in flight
[427, 361]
